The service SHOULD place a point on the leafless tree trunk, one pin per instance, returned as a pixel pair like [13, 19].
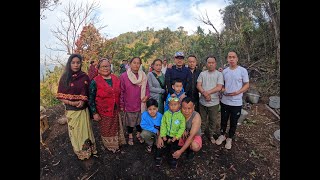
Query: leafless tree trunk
[273, 12]
[208, 22]
[75, 17]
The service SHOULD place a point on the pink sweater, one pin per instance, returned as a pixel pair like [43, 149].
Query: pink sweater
[130, 94]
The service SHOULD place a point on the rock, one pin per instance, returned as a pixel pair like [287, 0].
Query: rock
[63, 120]
[42, 110]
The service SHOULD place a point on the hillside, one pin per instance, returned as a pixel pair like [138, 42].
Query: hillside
[255, 154]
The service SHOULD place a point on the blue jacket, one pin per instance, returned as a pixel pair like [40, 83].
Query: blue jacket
[178, 73]
[148, 123]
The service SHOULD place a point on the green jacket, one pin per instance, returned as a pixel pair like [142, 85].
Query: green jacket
[172, 124]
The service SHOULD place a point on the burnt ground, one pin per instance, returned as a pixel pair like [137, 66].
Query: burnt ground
[255, 154]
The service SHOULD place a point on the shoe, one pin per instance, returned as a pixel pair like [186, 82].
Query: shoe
[228, 143]
[173, 163]
[140, 139]
[149, 148]
[213, 141]
[158, 161]
[220, 139]
[130, 141]
[190, 154]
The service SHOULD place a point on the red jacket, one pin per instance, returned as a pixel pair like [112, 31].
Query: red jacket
[107, 96]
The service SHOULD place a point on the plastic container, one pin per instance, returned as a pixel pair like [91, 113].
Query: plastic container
[274, 102]
[253, 98]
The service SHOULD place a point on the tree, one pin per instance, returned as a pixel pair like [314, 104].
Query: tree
[207, 21]
[47, 5]
[90, 43]
[75, 17]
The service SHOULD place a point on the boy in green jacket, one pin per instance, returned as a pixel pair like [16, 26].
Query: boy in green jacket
[173, 124]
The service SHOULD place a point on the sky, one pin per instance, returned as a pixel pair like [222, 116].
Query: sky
[123, 16]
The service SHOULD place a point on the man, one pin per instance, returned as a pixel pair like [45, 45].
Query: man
[178, 71]
[191, 140]
[123, 66]
[164, 66]
[194, 93]
[236, 82]
[110, 60]
[209, 84]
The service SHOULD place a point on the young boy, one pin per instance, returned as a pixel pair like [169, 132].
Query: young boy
[173, 124]
[150, 123]
[177, 86]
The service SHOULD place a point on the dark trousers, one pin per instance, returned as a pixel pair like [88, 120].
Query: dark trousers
[168, 149]
[232, 112]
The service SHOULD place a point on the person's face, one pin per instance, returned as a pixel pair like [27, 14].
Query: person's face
[75, 64]
[211, 64]
[187, 109]
[152, 110]
[157, 66]
[164, 62]
[105, 68]
[135, 64]
[179, 61]
[232, 58]
[174, 105]
[177, 87]
[192, 62]
[124, 62]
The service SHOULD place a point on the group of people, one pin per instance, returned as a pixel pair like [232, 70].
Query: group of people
[169, 107]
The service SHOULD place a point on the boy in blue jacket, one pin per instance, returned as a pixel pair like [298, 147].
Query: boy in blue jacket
[150, 123]
[177, 86]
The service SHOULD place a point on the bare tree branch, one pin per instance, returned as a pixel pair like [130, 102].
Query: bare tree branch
[75, 17]
[208, 22]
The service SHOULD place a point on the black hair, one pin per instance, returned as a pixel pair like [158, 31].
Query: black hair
[92, 61]
[211, 56]
[232, 51]
[67, 74]
[152, 102]
[154, 61]
[187, 100]
[135, 58]
[177, 80]
[193, 56]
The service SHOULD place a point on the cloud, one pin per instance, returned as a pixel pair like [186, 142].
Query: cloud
[123, 16]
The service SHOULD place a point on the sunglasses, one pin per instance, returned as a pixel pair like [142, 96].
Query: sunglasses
[173, 99]
[179, 57]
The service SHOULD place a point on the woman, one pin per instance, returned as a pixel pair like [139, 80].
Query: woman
[93, 71]
[73, 92]
[105, 103]
[156, 84]
[133, 97]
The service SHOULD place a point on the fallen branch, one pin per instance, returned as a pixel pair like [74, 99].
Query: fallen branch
[272, 122]
[86, 178]
[274, 113]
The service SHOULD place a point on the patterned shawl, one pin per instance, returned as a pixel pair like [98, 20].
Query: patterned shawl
[78, 88]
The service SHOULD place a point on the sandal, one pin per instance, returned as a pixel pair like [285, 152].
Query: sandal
[213, 141]
[140, 139]
[130, 141]
[149, 148]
